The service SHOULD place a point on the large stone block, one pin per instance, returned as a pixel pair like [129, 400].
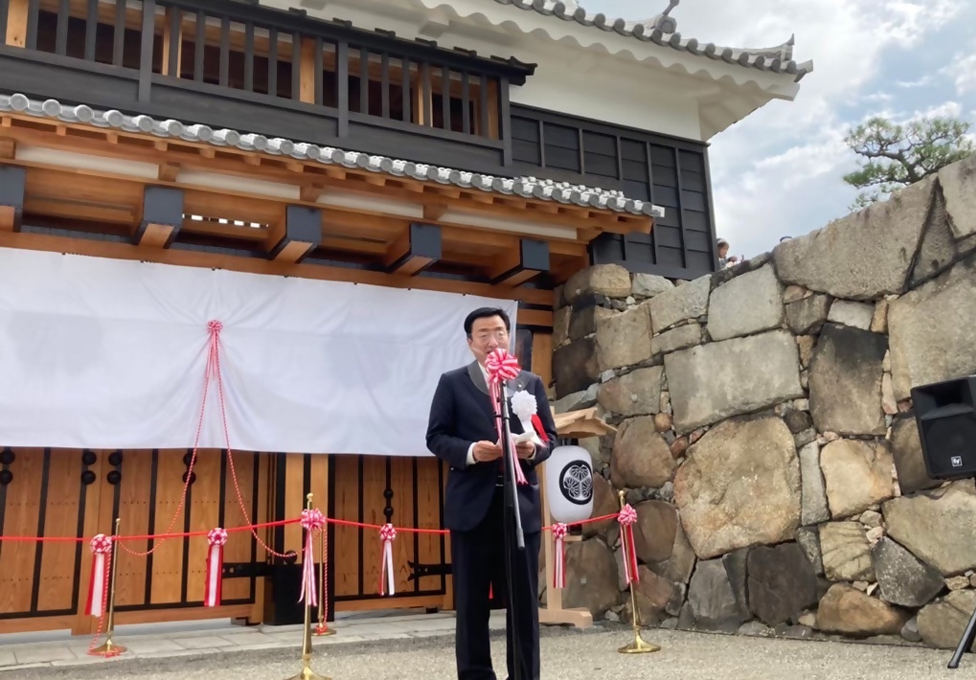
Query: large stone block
[814, 506]
[649, 285]
[858, 475]
[959, 188]
[942, 624]
[653, 593]
[641, 457]
[586, 320]
[931, 332]
[610, 280]
[624, 339]
[681, 337]
[904, 579]
[591, 577]
[634, 394]
[853, 314]
[712, 382]
[782, 583]
[740, 486]
[560, 326]
[604, 503]
[846, 552]
[745, 305]
[939, 248]
[939, 528]
[909, 461]
[575, 367]
[808, 314]
[864, 255]
[680, 565]
[655, 531]
[689, 301]
[849, 611]
[710, 597]
[845, 381]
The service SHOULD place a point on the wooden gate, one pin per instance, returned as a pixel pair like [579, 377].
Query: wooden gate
[74, 493]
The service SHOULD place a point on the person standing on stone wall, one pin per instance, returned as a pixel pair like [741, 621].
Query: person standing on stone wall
[724, 259]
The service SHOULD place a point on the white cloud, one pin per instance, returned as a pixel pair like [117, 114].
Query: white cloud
[778, 172]
[963, 71]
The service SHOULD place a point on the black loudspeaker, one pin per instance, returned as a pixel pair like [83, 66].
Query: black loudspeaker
[945, 413]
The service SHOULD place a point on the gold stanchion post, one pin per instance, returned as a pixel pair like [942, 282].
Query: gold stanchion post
[307, 673]
[110, 648]
[638, 646]
[323, 630]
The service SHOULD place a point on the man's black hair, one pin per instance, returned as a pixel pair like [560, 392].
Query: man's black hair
[486, 313]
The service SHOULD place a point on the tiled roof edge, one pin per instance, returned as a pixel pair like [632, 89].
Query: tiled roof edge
[527, 187]
[664, 33]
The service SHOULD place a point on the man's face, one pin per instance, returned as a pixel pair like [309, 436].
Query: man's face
[487, 335]
[723, 250]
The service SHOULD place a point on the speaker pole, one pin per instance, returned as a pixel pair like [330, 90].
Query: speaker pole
[966, 642]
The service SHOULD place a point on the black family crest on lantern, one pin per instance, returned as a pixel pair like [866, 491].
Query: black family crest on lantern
[576, 482]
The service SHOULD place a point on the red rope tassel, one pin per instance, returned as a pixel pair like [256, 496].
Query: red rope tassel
[215, 567]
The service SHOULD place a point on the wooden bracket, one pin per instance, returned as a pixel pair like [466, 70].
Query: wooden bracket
[13, 187]
[517, 266]
[416, 249]
[162, 217]
[298, 235]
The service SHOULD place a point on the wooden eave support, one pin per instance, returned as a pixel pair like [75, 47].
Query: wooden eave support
[13, 185]
[298, 235]
[162, 217]
[517, 266]
[417, 248]
[581, 424]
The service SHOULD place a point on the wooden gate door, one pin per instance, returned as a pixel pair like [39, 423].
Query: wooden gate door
[406, 492]
[163, 579]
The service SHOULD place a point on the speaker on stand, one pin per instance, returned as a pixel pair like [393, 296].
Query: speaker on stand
[945, 413]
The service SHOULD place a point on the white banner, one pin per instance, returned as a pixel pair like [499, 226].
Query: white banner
[102, 353]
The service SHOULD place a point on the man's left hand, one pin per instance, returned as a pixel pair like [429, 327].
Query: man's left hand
[525, 449]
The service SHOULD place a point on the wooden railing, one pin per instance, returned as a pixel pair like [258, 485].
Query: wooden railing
[243, 52]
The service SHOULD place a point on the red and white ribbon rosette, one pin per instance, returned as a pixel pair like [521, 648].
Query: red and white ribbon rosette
[559, 532]
[217, 538]
[312, 520]
[101, 547]
[387, 535]
[627, 519]
[501, 367]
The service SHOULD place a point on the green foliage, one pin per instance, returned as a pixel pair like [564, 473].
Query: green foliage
[900, 155]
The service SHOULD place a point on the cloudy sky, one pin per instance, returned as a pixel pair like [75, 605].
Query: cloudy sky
[778, 172]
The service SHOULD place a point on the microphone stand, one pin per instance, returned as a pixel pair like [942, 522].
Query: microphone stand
[512, 520]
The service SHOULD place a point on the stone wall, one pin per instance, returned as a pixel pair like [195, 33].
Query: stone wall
[765, 429]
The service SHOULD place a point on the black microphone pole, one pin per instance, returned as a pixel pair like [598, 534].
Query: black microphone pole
[512, 520]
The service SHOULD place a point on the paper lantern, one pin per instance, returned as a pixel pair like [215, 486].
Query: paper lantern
[569, 484]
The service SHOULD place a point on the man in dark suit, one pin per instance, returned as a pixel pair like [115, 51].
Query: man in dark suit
[462, 431]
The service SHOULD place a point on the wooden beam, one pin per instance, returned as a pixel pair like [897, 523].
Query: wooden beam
[293, 238]
[162, 217]
[13, 185]
[517, 266]
[8, 148]
[252, 265]
[418, 247]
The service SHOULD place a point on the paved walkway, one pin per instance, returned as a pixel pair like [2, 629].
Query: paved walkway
[567, 654]
[40, 650]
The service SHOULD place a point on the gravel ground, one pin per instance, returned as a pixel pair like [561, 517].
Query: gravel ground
[566, 655]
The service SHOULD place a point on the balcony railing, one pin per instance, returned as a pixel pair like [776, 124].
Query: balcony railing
[280, 73]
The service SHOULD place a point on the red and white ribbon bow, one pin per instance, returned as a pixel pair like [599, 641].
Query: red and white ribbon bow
[217, 538]
[559, 532]
[501, 367]
[627, 519]
[101, 547]
[312, 520]
[387, 535]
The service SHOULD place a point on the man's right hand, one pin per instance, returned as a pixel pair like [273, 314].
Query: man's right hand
[485, 451]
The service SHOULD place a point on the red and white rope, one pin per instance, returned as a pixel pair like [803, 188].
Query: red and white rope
[501, 367]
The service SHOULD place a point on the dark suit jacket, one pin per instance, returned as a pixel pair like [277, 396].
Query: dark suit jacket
[460, 414]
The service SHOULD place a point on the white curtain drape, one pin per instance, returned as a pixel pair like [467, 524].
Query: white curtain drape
[102, 353]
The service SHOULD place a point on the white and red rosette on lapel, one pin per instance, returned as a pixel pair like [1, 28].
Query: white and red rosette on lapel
[217, 538]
